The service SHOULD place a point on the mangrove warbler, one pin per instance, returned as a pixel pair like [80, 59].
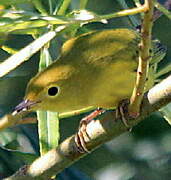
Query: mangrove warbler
[96, 69]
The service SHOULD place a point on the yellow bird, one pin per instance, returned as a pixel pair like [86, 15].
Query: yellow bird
[96, 69]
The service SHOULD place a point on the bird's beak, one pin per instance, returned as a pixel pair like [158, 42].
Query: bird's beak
[24, 106]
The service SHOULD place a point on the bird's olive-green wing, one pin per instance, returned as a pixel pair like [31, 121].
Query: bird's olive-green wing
[101, 46]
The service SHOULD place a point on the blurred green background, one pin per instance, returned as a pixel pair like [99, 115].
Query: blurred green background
[143, 154]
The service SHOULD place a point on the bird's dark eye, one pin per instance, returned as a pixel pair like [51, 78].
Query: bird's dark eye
[52, 91]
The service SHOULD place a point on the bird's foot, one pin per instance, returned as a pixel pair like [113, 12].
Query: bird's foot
[121, 110]
[81, 136]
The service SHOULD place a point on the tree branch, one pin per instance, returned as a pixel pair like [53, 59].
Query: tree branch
[99, 131]
[144, 59]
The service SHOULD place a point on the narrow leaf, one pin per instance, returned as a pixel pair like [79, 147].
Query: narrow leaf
[166, 112]
[48, 121]
[43, 131]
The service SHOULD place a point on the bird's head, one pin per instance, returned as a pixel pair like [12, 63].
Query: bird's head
[49, 90]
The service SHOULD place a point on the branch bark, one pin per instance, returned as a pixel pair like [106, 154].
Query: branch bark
[144, 59]
[99, 131]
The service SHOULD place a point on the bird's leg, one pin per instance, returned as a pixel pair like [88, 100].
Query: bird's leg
[82, 134]
[121, 110]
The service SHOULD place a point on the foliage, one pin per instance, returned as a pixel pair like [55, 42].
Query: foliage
[143, 154]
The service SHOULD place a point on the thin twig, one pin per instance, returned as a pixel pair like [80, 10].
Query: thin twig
[10, 120]
[126, 12]
[144, 58]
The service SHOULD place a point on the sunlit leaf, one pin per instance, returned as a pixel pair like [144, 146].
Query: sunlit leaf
[8, 24]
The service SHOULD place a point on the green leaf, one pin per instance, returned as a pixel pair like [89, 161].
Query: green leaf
[166, 112]
[53, 129]
[134, 20]
[39, 6]
[43, 131]
[164, 70]
[8, 25]
[48, 122]
[58, 5]
[7, 136]
[45, 59]
[63, 7]
[10, 2]
[83, 4]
